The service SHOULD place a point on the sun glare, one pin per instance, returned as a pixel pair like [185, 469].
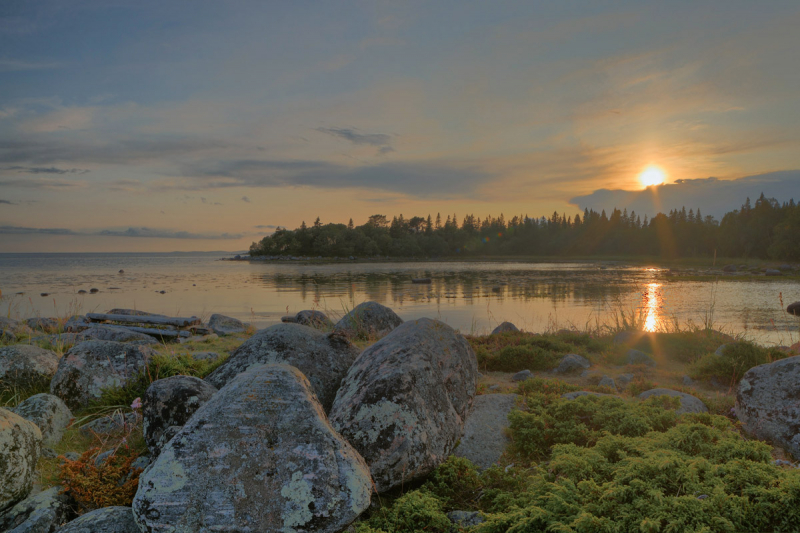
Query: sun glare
[652, 175]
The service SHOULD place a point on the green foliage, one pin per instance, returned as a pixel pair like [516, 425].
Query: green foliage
[515, 351]
[412, 512]
[736, 359]
[683, 346]
[12, 394]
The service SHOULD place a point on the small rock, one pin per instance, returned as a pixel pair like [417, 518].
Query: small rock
[205, 356]
[314, 319]
[689, 404]
[94, 291]
[109, 424]
[42, 324]
[49, 453]
[687, 381]
[522, 375]
[637, 357]
[104, 520]
[571, 363]
[772, 272]
[793, 309]
[729, 268]
[505, 327]
[49, 413]
[368, 319]
[465, 518]
[493, 386]
[607, 382]
[624, 379]
[72, 456]
[484, 439]
[225, 325]
[20, 447]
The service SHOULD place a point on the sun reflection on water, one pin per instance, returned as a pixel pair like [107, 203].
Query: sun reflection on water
[652, 307]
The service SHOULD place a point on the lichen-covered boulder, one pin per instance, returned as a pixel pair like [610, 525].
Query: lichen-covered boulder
[104, 520]
[572, 363]
[40, 513]
[25, 365]
[505, 327]
[314, 319]
[689, 404]
[485, 439]
[367, 320]
[404, 400]
[50, 414]
[226, 325]
[607, 382]
[258, 456]
[20, 446]
[171, 402]
[767, 403]
[323, 357]
[91, 366]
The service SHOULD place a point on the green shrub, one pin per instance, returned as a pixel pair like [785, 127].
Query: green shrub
[736, 359]
[515, 351]
[412, 512]
[683, 346]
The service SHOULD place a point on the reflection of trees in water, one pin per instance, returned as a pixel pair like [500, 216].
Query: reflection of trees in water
[586, 286]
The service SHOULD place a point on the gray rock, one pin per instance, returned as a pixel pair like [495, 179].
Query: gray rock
[403, 403]
[314, 319]
[323, 357]
[131, 312]
[636, 357]
[20, 446]
[721, 350]
[113, 423]
[72, 456]
[465, 518]
[772, 272]
[8, 336]
[26, 366]
[793, 308]
[689, 404]
[579, 393]
[624, 379]
[8, 324]
[687, 381]
[77, 323]
[113, 333]
[91, 366]
[572, 363]
[225, 325]
[49, 453]
[522, 375]
[42, 324]
[258, 456]
[505, 327]
[627, 337]
[368, 319]
[171, 402]
[608, 382]
[766, 403]
[104, 520]
[49, 413]
[41, 513]
[205, 356]
[484, 439]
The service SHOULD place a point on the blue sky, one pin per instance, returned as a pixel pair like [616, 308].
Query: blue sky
[138, 125]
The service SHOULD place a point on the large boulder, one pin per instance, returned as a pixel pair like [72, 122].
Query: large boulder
[766, 403]
[171, 402]
[572, 363]
[404, 400]
[324, 358]
[367, 320]
[40, 513]
[505, 327]
[50, 414]
[689, 404]
[314, 319]
[26, 366]
[91, 366]
[20, 446]
[258, 456]
[226, 325]
[485, 439]
[103, 520]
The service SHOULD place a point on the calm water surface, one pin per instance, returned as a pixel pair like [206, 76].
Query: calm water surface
[473, 297]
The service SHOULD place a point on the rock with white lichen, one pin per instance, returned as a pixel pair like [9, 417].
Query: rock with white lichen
[20, 446]
[405, 399]
[41, 513]
[49, 413]
[26, 366]
[260, 455]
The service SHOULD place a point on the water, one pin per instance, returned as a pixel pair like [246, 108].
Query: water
[473, 297]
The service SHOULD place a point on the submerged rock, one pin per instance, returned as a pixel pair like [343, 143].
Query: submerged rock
[485, 439]
[258, 456]
[50, 414]
[405, 399]
[368, 319]
[323, 357]
[689, 404]
[26, 366]
[20, 446]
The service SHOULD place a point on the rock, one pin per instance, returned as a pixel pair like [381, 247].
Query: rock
[104, 520]
[793, 309]
[624, 379]
[77, 323]
[113, 333]
[49, 413]
[49, 453]
[579, 393]
[7, 324]
[42, 324]
[637, 357]
[772, 272]
[627, 337]
[8, 336]
[505, 327]
[91, 366]
[719, 351]
[41, 513]
[729, 268]
[571, 363]
[20, 445]
[368, 319]
[687, 381]
[465, 518]
[323, 357]
[225, 325]
[106, 425]
[484, 439]
[403, 403]
[72, 456]
[314, 319]
[171, 402]
[766, 403]
[689, 404]
[607, 382]
[522, 375]
[205, 356]
[258, 456]
[26, 366]
[131, 312]
[94, 290]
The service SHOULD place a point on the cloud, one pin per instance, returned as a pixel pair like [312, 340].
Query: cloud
[7, 202]
[713, 196]
[380, 140]
[18, 230]
[55, 184]
[49, 170]
[152, 233]
[268, 226]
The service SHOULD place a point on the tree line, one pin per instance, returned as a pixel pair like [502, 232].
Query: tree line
[766, 229]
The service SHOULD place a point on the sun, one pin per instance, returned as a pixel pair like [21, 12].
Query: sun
[652, 175]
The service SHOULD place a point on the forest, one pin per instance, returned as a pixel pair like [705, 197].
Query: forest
[766, 229]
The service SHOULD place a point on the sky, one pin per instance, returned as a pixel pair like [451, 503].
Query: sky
[139, 125]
